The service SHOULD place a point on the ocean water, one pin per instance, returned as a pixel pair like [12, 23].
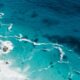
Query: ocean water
[39, 40]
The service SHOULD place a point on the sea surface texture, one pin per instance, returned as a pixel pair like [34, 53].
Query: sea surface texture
[39, 39]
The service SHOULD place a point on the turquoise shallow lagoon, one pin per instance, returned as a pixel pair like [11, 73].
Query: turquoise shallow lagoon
[45, 35]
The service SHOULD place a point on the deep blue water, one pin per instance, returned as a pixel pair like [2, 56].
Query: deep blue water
[44, 22]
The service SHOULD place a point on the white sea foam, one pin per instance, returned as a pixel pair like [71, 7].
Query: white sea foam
[10, 27]
[6, 73]
[1, 15]
[61, 53]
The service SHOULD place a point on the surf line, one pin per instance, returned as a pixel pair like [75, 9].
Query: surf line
[21, 38]
[62, 54]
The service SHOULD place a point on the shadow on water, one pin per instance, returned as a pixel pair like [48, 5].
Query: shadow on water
[71, 41]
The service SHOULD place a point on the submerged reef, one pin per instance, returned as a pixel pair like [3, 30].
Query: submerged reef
[71, 41]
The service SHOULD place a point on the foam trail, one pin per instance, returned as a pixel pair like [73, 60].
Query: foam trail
[1, 15]
[70, 75]
[61, 53]
[77, 72]
[34, 43]
[10, 27]
[21, 39]
[44, 68]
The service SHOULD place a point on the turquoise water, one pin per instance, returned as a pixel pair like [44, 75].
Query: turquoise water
[54, 25]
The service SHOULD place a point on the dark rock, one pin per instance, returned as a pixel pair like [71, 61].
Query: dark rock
[7, 62]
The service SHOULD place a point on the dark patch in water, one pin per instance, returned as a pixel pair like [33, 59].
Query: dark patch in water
[65, 58]
[65, 7]
[54, 38]
[47, 22]
[0, 25]
[50, 22]
[34, 14]
[22, 63]
[51, 64]
[36, 40]
[71, 41]
[76, 72]
[76, 7]
[25, 36]
[1, 5]
[44, 50]
[76, 30]
[69, 78]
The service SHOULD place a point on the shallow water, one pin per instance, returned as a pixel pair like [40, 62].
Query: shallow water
[45, 36]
